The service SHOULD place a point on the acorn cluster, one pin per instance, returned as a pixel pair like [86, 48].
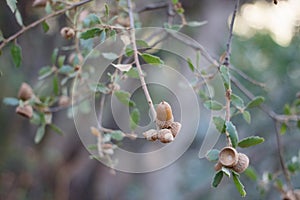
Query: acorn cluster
[230, 158]
[167, 129]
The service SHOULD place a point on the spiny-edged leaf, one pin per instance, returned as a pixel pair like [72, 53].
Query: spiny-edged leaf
[117, 135]
[237, 101]
[225, 76]
[233, 135]
[141, 44]
[192, 68]
[12, 4]
[91, 20]
[122, 67]
[217, 178]
[250, 141]
[213, 105]
[48, 7]
[124, 97]
[213, 155]
[16, 53]
[247, 116]
[134, 118]
[251, 173]
[256, 102]
[11, 101]
[133, 73]
[238, 184]
[54, 55]
[91, 33]
[106, 10]
[19, 17]
[39, 134]
[45, 26]
[66, 69]
[55, 85]
[45, 72]
[151, 59]
[196, 23]
[99, 87]
[220, 124]
[56, 129]
[283, 128]
[110, 56]
[60, 61]
[226, 171]
[287, 109]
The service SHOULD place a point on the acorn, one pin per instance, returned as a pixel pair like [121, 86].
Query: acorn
[242, 164]
[151, 135]
[25, 111]
[67, 32]
[165, 136]
[228, 157]
[25, 92]
[175, 128]
[164, 116]
[292, 195]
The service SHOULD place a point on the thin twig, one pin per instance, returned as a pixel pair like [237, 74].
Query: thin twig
[246, 77]
[154, 6]
[227, 63]
[197, 47]
[228, 45]
[34, 24]
[100, 115]
[281, 159]
[137, 62]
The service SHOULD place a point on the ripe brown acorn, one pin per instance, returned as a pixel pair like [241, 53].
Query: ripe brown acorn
[164, 115]
[67, 32]
[25, 92]
[242, 164]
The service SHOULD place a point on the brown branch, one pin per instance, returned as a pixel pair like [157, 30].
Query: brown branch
[137, 62]
[228, 45]
[246, 77]
[153, 6]
[34, 24]
[197, 47]
[281, 159]
[226, 63]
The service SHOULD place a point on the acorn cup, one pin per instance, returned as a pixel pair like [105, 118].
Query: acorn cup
[175, 128]
[151, 135]
[164, 116]
[228, 157]
[242, 164]
[165, 136]
[25, 111]
[25, 92]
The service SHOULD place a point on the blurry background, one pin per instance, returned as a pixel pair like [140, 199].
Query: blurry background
[266, 47]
